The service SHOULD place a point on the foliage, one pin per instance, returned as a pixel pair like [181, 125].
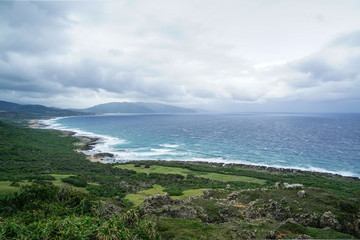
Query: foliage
[50, 212]
[76, 181]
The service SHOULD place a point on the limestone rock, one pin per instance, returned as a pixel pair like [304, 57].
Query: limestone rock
[328, 219]
[306, 219]
[295, 185]
[301, 193]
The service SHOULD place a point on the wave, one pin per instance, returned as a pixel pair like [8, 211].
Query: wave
[104, 143]
[166, 145]
[171, 152]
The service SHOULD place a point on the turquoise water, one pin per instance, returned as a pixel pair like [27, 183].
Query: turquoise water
[315, 142]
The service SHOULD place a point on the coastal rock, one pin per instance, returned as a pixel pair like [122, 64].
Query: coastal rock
[306, 219]
[103, 155]
[295, 185]
[151, 204]
[301, 193]
[182, 212]
[272, 210]
[328, 219]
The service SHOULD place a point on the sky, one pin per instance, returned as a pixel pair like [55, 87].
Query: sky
[226, 56]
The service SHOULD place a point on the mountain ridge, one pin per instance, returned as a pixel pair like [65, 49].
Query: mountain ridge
[135, 107]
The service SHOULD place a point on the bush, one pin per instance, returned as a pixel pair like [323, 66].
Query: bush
[147, 166]
[76, 181]
[175, 192]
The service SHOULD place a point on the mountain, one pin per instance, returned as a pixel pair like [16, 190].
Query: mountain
[135, 107]
[14, 110]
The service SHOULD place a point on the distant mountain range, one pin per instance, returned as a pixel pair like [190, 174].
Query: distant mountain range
[11, 110]
[135, 107]
[18, 111]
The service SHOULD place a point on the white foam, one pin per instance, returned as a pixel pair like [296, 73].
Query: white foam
[166, 145]
[104, 143]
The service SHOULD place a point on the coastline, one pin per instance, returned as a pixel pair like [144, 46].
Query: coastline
[87, 143]
[84, 143]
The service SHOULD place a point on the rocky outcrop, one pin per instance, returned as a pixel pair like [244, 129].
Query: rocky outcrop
[164, 205]
[295, 185]
[306, 219]
[178, 212]
[270, 210]
[301, 193]
[328, 219]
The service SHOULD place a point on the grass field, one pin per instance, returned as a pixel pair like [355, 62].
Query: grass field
[184, 172]
[5, 187]
[139, 197]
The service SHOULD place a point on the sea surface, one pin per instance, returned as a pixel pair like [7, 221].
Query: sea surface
[313, 142]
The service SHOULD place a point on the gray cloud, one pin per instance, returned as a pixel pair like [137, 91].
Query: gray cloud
[192, 54]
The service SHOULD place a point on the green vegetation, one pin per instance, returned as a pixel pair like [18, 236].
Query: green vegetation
[49, 191]
[139, 197]
[49, 212]
[6, 187]
[185, 172]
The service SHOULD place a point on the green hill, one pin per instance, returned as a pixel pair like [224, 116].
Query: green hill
[14, 111]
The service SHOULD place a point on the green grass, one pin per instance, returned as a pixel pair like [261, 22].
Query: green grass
[139, 197]
[291, 230]
[184, 172]
[179, 228]
[190, 193]
[5, 188]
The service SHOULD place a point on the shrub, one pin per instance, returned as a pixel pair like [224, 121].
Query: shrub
[76, 181]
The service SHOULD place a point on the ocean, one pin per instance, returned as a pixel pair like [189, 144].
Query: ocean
[313, 142]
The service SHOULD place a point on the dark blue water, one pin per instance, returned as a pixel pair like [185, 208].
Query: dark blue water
[316, 142]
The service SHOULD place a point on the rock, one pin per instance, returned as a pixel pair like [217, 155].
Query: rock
[182, 212]
[107, 210]
[328, 219]
[103, 155]
[295, 185]
[232, 196]
[306, 219]
[272, 210]
[151, 204]
[303, 236]
[272, 235]
[228, 186]
[209, 193]
[301, 193]
[277, 185]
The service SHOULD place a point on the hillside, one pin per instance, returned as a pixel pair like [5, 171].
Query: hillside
[135, 107]
[14, 111]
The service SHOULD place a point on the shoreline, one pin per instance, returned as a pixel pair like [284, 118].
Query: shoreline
[86, 143]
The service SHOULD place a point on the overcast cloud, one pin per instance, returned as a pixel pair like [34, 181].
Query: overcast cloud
[232, 55]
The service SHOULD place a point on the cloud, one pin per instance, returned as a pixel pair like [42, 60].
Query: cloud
[185, 52]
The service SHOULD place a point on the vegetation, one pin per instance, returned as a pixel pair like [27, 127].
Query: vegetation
[50, 212]
[50, 191]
